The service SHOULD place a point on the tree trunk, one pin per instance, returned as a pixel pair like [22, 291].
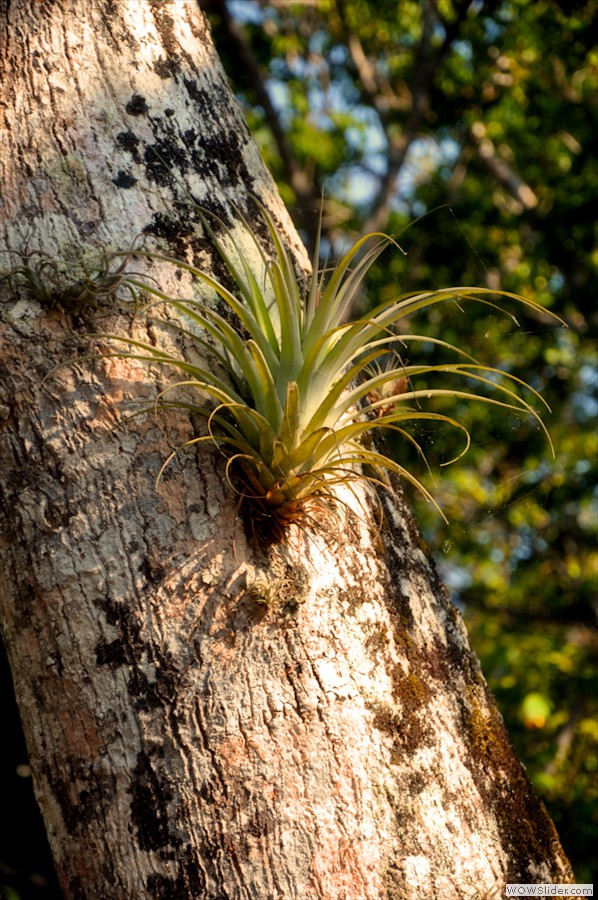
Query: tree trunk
[186, 741]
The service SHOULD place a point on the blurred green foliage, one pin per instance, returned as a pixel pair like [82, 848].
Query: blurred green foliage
[478, 120]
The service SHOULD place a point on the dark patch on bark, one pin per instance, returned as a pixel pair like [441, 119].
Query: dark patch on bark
[38, 685]
[417, 782]
[226, 149]
[111, 610]
[173, 155]
[162, 157]
[405, 722]
[137, 106]
[456, 656]
[69, 810]
[76, 888]
[81, 810]
[116, 29]
[153, 694]
[411, 690]
[190, 881]
[394, 882]
[354, 598]
[168, 154]
[203, 99]
[124, 180]
[224, 146]
[174, 230]
[528, 836]
[113, 654]
[146, 693]
[213, 205]
[160, 887]
[165, 27]
[128, 141]
[166, 68]
[399, 566]
[130, 649]
[153, 571]
[385, 718]
[527, 833]
[26, 594]
[149, 807]
[190, 137]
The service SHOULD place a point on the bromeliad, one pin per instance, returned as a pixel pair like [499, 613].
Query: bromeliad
[301, 383]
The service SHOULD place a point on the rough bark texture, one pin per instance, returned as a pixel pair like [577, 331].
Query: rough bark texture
[186, 741]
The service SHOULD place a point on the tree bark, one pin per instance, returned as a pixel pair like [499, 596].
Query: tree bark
[186, 741]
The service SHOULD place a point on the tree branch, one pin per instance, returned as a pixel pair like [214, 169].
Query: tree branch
[383, 99]
[307, 190]
[500, 169]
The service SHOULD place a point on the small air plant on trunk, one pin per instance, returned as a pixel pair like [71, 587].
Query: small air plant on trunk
[70, 285]
[302, 385]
